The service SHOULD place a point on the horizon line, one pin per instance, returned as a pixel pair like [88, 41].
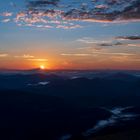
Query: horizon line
[59, 69]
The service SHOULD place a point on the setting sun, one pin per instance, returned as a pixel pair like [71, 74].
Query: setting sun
[42, 67]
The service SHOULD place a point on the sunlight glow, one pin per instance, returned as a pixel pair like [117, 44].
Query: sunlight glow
[42, 67]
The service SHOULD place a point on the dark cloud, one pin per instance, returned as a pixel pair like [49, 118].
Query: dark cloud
[132, 11]
[118, 43]
[92, 10]
[62, 13]
[129, 37]
[41, 3]
[111, 44]
[105, 44]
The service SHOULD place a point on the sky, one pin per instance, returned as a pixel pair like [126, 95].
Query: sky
[70, 34]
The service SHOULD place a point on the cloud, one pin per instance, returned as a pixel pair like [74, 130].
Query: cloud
[7, 14]
[30, 58]
[69, 27]
[108, 11]
[133, 45]
[20, 15]
[105, 44]
[38, 59]
[98, 53]
[91, 49]
[114, 53]
[76, 54]
[102, 11]
[101, 6]
[43, 19]
[3, 55]
[136, 37]
[123, 58]
[111, 44]
[42, 3]
[89, 40]
[26, 56]
[6, 20]
[62, 13]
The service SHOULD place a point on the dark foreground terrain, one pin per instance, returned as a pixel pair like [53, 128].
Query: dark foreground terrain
[70, 105]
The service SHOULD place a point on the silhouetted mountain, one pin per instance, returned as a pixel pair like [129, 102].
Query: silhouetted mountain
[122, 76]
[76, 105]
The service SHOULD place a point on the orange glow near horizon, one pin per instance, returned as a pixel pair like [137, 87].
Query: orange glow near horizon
[59, 63]
[47, 60]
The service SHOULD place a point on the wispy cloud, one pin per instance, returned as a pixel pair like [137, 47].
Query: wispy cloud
[6, 17]
[136, 37]
[6, 14]
[97, 53]
[76, 54]
[30, 58]
[114, 53]
[26, 56]
[89, 40]
[3, 55]
[119, 41]
[133, 45]
[38, 59]
[41, 19]
[69, 27]
[6, 20]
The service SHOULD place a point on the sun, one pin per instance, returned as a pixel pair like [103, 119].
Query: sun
[42, 67]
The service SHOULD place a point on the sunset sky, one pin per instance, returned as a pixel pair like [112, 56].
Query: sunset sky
[70, 34]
